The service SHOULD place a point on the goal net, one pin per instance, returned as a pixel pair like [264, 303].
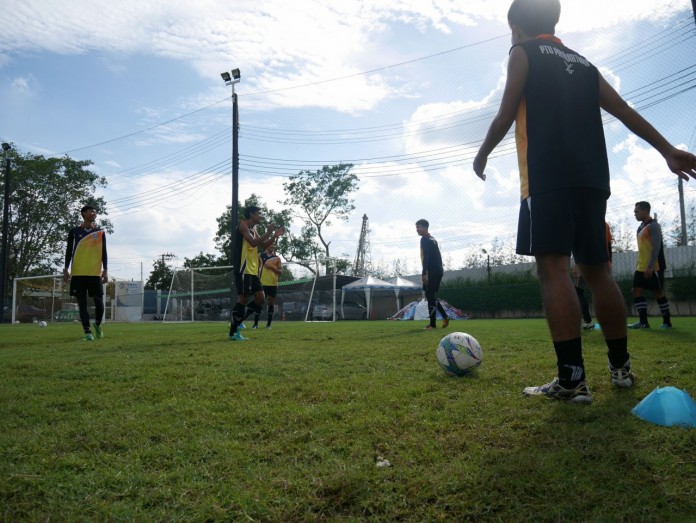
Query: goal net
[47, 298]
[209, 293]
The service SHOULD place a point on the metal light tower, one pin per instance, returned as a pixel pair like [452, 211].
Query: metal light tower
[5, 232]
[230, 79]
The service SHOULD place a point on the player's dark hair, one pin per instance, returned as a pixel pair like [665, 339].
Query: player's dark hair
[423, 223]
[643, 206]
[87, 208]
[535, 17]
[250, 210]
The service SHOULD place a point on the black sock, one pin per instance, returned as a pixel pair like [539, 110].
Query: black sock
[664, 309]
[618, 353]
[571, 369]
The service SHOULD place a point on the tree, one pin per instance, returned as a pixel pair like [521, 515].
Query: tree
[160, 277]
[204, 260]
[45, 202]
[320, 196]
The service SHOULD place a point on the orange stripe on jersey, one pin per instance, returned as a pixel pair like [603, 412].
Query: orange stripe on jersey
[522, 145]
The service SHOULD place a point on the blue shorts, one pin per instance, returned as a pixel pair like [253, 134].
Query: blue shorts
[567, 221]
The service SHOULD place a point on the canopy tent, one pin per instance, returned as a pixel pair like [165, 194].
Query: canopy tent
[368, 284]
[418, 310]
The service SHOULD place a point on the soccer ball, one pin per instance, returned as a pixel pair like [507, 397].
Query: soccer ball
[43, 324]
[459, 353]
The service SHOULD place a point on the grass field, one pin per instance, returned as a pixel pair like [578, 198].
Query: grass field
[175, 423]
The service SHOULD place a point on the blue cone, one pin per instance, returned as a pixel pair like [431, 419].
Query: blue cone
[597, 327]
[667, 406]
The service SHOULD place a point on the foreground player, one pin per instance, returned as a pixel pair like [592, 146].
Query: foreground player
[564, 172]
[86, 250]
[246, 276]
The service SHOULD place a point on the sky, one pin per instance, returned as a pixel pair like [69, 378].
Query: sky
[402, 89]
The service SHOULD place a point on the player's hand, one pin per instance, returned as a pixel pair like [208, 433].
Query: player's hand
[681, 163]
[280, 230]
[66, 275]
[648, 273]
[105, 277]
[480, 166]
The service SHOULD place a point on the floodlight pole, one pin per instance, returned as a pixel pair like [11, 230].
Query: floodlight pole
[5, 231]
[230, 79]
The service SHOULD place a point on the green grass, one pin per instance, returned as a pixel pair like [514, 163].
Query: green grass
[175, 423]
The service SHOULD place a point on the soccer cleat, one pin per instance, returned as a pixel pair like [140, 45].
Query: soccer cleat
[87, 337]
[553, 390]
[666, 326]
[430, 328]
[588, 326]
[445, 322]
[268, 327]
[622, 377]
[639, 325]
[237, 337]
[254, 327]
[98, 332]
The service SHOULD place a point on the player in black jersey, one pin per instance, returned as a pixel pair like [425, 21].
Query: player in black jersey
[432, 273]
[555, 95]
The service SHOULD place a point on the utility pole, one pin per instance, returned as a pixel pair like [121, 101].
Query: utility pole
[5, 232]
[684, 237]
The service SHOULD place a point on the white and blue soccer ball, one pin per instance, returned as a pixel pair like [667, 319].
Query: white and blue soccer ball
[43, 324]
[458, 354]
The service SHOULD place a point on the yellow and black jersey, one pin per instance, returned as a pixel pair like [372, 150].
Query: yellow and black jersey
[269, 278]
[558, 126]
[247, 254]
[86, 251]
[650, 248]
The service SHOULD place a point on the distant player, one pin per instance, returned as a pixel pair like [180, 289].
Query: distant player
[247, 280]
[86, 251]
[432, 273]
[650, 269]
[271, 270]
[555, 95]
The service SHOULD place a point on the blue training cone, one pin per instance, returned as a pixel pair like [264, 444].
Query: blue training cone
[597, 327]
[667, 406]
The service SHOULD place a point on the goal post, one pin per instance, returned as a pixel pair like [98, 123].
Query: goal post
[209, 293]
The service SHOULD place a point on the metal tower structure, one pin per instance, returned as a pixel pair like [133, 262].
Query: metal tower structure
[363, 258]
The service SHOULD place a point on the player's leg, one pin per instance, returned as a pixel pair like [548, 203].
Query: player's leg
[432, 308]
[639, 301]
[78, 289]
[611, 313]
[546, 230]
[96, 291]
[238, 309]
[271, 296]
[662, 300]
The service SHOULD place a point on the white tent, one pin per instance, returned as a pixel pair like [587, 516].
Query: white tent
[402, 284]
[367, 285]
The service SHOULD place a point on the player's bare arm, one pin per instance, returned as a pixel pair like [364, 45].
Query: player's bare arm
[681, 163]
[518, 69]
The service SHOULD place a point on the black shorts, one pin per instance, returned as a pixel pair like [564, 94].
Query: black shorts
[655, 284]
[81, 286]
[270, 290]
[568, 221]
[247, 284]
